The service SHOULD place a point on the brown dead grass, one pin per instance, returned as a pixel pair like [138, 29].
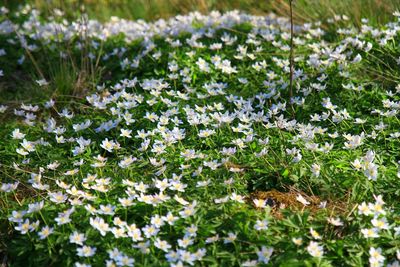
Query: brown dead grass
[287, 200]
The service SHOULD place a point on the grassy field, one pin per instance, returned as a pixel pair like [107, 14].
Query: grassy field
[181, 143]
[378, 11]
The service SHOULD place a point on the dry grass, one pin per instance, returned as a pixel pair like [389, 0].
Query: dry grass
[287, 200]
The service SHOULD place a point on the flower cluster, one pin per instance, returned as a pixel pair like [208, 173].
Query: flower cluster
[158, 166]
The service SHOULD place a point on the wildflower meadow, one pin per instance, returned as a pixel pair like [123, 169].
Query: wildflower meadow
[198, 140]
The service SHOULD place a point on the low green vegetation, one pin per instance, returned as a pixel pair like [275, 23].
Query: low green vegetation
[177, 142]
[377, 11]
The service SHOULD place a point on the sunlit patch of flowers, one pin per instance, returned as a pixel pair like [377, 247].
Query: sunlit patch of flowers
[158, 167]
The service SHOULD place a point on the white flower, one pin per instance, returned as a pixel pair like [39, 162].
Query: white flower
[150, 230]
[186, 256]
[381, 223]
[108, 145]
[42, 82]
[35, 207]
[16, 134]
[3, 108]
[22, 151]
[24, 227]
[185, 242]
[123, 260]
[236, 197]
[49, 103]
[77, 238]
[212, 239]
[203, 65]
[126, 162]
[118, 232]
[64, 217]
[45, 232]
[335, 221]
[106, 209]
[170, 218]
[99, 224]
[357, 164]
[53, 166]
[364, 209]
[375, 256]
[230, 239]
[316, 169]
[181, 200]
[261, 225]
[259, 203]
[17, 216]
[157, 221]
[315, 249]
[264, 254]
[315, 234]
[58, 197]
[8, 187]
[86, 251]
[191, 230]
[370, 232]
[206, 133]
[377, 208]
[297, 241]
[187, 212]
[28, 146]
[71, 172]
[302, 200]
[126, 133]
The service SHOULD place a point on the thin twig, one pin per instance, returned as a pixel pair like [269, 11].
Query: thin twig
[291, 56]
[36, 66]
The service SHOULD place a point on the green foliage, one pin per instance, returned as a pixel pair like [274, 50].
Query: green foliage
[214, 106]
